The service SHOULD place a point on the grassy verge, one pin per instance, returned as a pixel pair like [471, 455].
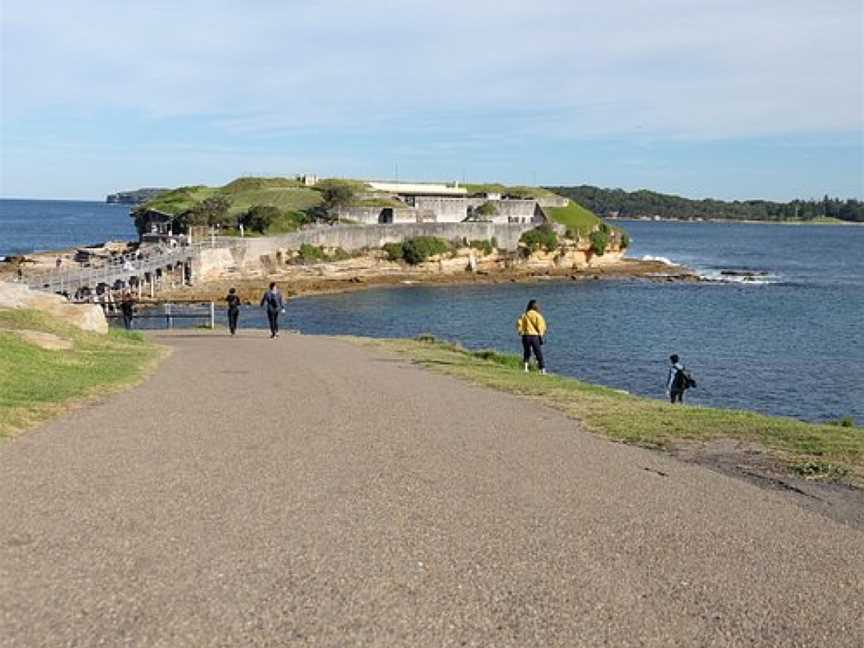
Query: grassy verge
[37, 383]
[815, 451]
[574, 216]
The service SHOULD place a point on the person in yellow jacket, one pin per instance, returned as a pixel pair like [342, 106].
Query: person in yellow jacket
[532, 327]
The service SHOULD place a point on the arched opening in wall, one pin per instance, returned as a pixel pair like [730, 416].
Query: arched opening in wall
[386, 216]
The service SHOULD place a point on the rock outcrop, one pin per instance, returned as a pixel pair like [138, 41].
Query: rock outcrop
[87, 317]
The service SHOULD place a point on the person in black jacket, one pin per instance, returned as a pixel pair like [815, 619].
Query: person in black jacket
[233, 310]
[127, 307]
[274, 304]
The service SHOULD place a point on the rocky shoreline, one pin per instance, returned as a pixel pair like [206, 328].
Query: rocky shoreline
[317, 279]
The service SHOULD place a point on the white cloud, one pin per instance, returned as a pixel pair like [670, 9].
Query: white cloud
[689, 69]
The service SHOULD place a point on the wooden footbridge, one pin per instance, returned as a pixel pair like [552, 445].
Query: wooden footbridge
[144, 270]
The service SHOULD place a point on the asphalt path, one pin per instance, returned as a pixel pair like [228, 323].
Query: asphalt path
[306, 491]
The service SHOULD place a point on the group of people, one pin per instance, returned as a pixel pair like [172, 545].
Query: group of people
[272, 302]
[531, 326]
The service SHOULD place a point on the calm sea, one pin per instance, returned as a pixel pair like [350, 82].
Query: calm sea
[790, 342]
[42, 225]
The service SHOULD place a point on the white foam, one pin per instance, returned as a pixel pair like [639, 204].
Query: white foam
[741, 279]
[660, 259]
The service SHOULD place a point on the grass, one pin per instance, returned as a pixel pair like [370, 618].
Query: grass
[36, 383]
[811, 450]
[516, 191]
[283, 193]
[574, 217]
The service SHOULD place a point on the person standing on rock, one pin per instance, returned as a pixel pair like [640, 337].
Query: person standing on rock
[233, 309]
[274, 304]
[532, 327]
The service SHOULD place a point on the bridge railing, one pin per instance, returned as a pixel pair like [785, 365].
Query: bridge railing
[109, 270]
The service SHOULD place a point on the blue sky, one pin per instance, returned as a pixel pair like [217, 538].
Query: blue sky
[723, 98]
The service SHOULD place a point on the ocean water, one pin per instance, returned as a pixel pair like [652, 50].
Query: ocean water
[789, 343]
[42, 225]
[787, 340]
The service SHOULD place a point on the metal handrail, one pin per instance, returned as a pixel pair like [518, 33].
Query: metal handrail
[112, 269]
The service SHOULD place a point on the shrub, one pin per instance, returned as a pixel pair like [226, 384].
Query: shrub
[599, 241]
[484, 245]
[259, 217]
[572, 234]
[394, 251]
[417, 250]
[494, 242]
[311, 253]
[542, 237]
[846, 421]
[625, 240]
[486, 209]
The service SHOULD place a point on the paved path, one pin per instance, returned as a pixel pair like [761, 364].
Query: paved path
[304, 491]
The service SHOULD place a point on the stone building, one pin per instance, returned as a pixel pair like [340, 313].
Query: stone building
[442, 203]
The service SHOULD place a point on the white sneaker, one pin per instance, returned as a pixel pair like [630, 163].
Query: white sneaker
[543, 372]
[526, 368]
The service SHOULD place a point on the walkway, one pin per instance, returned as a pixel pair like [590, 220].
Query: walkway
[304, 491]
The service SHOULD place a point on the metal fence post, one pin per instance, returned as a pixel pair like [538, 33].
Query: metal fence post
[212, 315]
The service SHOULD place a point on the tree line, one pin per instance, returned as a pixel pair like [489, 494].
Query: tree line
[634, 204]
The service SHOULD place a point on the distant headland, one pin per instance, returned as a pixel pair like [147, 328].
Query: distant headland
[134, 197]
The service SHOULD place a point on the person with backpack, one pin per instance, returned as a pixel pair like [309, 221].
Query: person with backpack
[274, 304]
[233, 309]
[678, 381]
[532, 327]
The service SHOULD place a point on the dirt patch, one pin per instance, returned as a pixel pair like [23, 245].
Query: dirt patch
[42, 340]
[840, 501]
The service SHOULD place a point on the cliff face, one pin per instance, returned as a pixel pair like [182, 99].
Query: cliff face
[135, 197]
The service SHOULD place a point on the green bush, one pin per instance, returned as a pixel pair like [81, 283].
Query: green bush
[625, 240]
[599, 241]
[494, 242]
[417, 250]
[260, 217]
[311, 253]
[483, 245]
[486, 209]
[542, 237]
[394, 251]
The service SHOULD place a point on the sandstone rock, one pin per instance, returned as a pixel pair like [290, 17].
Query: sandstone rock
[87, 317]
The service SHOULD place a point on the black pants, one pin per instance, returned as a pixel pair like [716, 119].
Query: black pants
[532, 343]
[273, 319]
[233, 315]
[677, 394]
[127, 321]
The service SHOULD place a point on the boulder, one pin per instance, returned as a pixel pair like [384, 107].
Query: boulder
[87, 317]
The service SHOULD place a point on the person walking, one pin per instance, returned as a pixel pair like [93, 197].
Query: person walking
[127, 307]
[274, 304]
[532, 327]
[233, 309]
[677, 382]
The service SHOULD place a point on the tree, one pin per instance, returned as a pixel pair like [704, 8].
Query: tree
[212, 211]
[259, 217]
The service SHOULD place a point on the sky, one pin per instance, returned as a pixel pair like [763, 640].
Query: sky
[723, 98]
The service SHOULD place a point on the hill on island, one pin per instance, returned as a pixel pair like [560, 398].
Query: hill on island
[293, 203]
[636, 204]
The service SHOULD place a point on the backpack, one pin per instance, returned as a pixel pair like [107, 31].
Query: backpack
[683, 380]
[272, 301]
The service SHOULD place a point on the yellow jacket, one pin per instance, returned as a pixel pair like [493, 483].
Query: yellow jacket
[531, 323]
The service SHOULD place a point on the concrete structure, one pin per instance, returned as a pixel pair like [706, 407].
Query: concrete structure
[419, 188]
[445, 203]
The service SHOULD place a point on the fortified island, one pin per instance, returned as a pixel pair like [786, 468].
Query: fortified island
[325, 235]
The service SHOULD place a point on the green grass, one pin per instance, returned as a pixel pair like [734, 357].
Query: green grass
[575, 217]
[283, 193]
[812, 450]
[517, 191]
[36, 383]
